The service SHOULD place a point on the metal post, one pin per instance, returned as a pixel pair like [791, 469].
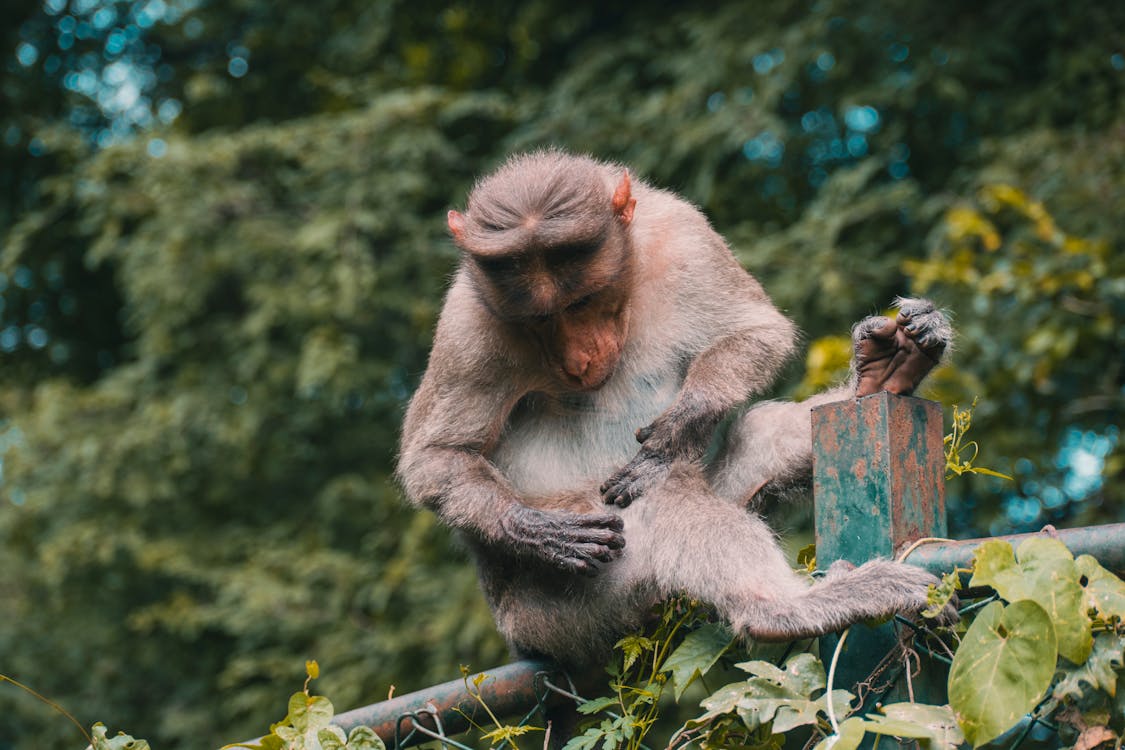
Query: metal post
[878, 484]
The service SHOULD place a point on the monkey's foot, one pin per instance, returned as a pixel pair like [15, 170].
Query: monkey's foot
[895, 355]
[847, 595]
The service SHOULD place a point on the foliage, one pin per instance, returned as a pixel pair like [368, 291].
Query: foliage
[503, 734]
[211, 314]
[121, 741]
[647, 664]
[956, 463]
[1053, 645]
[308, 726]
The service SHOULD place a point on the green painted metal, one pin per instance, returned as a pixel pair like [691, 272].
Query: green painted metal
[878, 485]
[1105, 542]
[877, 476]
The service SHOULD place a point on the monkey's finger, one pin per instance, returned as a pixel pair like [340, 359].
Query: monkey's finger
[644, 433]
[595, 552]
[911, 308]
[875, 327]
[932, 336]
[615, 491]
[581, 567]
[599, 520]
[593, 537]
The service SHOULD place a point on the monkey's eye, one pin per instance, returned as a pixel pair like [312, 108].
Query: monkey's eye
[497, 266]
[539, 320]
[579, 303]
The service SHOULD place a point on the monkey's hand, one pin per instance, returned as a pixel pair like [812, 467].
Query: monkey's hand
[573, 542]
[647, 468]
[680, 434]
[895, 355]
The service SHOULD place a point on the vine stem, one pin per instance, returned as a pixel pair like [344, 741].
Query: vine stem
[52, 704]
[831, 682]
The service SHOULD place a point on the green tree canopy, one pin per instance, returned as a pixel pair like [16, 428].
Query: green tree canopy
[218, 290]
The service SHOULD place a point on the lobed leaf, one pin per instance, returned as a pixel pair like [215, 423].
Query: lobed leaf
[1100, 670]
[945, 734]
[851, 734]
[696, 655]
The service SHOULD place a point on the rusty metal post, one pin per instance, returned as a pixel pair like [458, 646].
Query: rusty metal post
[878, 484]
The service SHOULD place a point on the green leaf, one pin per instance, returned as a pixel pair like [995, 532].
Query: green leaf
[585, 741]
[309, 713]
[995, 565]
[803, 673]
[1046, 574]
[121, 741]
[332, 738]
[795, 713]
[783, 696]
[725, 699]
[597, 704]
[851, 734]
[1002, 669]
[365, 738]
[1104, 591]
[696, 655]
[1100, 671]
[945, 734]
[896, 728]
[505, 733]
[633, 647]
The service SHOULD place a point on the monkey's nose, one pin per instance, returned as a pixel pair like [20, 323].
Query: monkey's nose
[577, 366]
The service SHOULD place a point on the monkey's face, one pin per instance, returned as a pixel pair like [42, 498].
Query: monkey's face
[572, 302]
[582, 342]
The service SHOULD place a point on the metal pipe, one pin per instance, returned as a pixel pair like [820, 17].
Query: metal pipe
[508, 690]
[1105, 542]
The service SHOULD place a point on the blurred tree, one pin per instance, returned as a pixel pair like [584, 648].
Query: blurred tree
[224, 251]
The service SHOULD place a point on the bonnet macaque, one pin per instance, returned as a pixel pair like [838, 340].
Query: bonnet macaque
[596, 332]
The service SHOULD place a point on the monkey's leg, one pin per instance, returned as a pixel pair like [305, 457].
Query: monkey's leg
[689, 540]
[769, 448]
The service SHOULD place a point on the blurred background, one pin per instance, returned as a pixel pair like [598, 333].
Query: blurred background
[223, 251]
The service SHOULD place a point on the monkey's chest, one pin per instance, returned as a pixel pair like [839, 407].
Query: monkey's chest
[555, 443]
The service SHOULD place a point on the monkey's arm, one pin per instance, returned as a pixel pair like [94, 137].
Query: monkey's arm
[454, 420]
[734, 368]
[768, 449]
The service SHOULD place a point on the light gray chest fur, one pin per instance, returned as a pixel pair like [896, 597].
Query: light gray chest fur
[553, 443]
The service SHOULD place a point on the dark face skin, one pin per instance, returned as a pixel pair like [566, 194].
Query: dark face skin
[570, 300]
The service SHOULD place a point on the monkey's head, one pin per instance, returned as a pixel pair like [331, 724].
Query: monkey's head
[546, 243]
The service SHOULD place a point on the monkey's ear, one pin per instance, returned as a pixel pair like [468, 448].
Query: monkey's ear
[456, 224]
[623, 201]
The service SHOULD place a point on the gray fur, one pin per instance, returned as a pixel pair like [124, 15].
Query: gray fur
[576, 529]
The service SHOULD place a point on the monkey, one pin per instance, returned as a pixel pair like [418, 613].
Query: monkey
[594, 336]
